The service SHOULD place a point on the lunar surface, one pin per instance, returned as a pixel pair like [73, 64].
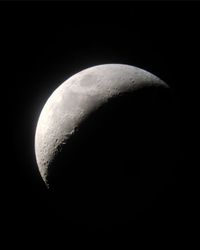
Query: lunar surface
[76, 98]
[101, 137]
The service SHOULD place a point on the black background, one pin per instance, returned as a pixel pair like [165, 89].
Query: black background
[42, 44]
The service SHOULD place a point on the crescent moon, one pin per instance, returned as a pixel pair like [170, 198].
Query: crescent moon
[75, 99]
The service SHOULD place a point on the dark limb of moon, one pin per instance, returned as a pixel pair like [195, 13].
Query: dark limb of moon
[114, 164]
[117, 157]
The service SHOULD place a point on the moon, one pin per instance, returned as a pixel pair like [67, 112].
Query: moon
[76, 98]
[74, 117]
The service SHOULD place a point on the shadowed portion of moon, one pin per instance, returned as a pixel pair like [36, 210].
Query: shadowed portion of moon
[117, 160]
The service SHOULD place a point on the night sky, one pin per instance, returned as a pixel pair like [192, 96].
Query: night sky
[42, 44]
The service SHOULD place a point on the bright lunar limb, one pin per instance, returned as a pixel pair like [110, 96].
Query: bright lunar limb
[75, 99]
